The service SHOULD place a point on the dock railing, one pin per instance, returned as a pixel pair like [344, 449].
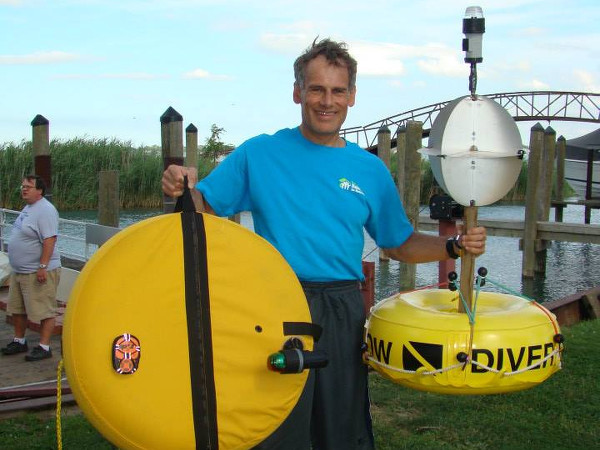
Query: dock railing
[76, 239]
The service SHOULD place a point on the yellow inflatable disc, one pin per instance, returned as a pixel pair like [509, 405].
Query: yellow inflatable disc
[419, 340]
[168, 330]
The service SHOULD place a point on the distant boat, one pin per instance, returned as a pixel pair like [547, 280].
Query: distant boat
[576, 161]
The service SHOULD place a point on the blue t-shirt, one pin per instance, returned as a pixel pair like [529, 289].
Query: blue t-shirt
[310, 201]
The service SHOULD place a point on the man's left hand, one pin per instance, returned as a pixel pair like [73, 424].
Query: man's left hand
[474, 240]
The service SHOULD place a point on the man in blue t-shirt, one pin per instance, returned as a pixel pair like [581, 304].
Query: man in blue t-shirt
[311, 194]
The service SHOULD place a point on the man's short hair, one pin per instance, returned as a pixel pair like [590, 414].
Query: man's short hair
[39, 182]
[336, 53]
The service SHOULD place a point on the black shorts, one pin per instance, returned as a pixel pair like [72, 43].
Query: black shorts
[333, 410]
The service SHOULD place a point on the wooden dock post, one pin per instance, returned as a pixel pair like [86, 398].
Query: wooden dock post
[536, 144]
[384, 150]
[588, 186]
[412, 192]
[41, 151]
[108, 198]
[545, 187]
[544, 195]
[401, 162]
[559, 200]
[191, 146]
[171, 131]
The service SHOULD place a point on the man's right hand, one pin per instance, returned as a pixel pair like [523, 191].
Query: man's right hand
[172, 179]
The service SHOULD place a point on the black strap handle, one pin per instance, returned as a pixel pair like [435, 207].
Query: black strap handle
[185, 203]
[302, 329]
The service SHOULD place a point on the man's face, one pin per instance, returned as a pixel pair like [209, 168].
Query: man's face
[29, 193]
[324, 100]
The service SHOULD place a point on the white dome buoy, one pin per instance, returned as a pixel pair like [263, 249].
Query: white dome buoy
[475, 150]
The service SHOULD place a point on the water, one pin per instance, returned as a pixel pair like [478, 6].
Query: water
[570, 267]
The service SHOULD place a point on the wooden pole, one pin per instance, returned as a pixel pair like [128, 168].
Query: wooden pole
[559, 205]
[172, 146]
[41, 152]
[191, 146]
[536, 142]
[467, 262]
[412, 193]
[412, 169]
[384, 149]
[544, 195]
[401, 162]
[108, 198]
[547, 173]
[588, 186]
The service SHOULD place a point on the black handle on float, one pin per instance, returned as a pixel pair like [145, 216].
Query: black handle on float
[185, 202]
[294, 360]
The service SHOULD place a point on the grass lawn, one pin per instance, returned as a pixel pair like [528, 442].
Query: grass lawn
[561, 413]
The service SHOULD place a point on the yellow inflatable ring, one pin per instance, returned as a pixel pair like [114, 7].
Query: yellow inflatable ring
[419, 340]
[142, 378]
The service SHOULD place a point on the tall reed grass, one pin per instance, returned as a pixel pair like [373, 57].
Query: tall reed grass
[76, 164]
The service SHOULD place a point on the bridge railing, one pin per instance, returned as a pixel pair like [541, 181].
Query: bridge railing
[522, 106]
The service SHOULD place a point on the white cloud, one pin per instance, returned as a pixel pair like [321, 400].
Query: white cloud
[587, 80]
[51, 57]
[385, 59]
[198, 74]
[529, 32]
[443, 61]
[380, 59]
[116, 76]
[289, 43]
[534, 84]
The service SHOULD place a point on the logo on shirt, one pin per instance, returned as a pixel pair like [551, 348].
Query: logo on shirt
[351, 186]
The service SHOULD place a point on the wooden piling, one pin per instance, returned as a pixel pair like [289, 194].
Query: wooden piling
[172, 146]
[544, 195]
[108, 198]
[559, 203]
[536, 144]
[588, 186]
[191, 146]
[401, 162]
[545, 187]
[384, 150]
[412, 193]
[41, 151]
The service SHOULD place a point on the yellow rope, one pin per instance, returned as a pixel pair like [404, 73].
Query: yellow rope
[58, 404]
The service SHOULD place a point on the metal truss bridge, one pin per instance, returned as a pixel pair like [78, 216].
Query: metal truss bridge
[522, 106]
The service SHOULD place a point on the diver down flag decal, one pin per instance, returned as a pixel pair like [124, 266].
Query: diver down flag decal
[422, 354]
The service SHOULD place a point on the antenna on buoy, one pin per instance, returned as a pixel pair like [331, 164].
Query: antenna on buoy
[473, 29]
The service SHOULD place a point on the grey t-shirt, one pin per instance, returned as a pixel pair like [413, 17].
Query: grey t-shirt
[36, 222]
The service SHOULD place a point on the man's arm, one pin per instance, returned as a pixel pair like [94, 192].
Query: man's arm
[47, 249]
[422, 248]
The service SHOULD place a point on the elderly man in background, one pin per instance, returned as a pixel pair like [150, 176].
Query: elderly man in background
[35, 261]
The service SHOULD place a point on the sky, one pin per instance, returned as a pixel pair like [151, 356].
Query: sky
[110, 68]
